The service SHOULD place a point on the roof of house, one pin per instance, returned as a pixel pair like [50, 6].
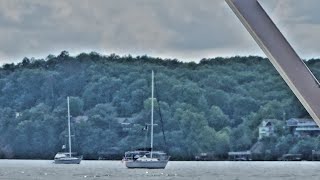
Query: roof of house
[239, 153]
[296, 121]
[122, 120]
[267, 122]
[257, 148]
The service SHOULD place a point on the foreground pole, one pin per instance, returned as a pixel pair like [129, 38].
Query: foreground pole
[283, 57]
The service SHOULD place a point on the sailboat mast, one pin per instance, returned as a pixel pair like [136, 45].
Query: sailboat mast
[152, 91]
[69, 129]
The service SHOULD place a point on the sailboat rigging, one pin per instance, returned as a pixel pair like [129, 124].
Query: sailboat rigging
[160, 115]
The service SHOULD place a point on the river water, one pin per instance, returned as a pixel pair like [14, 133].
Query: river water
[44, 169]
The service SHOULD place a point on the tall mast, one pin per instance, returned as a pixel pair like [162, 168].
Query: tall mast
[152, 90]
[69, 133]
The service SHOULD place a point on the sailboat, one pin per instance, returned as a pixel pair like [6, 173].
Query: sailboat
[147, 158]
[67, 157]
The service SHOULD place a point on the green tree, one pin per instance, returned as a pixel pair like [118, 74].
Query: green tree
[76, 106]
[217, 119]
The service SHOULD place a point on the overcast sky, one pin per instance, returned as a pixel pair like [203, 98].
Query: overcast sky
[185, 29]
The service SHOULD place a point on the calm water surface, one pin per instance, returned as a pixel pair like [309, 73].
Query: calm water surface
[43, 169]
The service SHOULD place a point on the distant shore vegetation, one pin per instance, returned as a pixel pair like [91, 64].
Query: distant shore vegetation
[214, 106]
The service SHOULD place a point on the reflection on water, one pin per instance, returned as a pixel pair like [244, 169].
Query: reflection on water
[42, 169]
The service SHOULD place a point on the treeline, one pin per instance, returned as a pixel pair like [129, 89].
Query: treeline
[215, 105]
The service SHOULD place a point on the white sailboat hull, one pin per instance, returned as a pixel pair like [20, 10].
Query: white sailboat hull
[147, 164]
[68, 160]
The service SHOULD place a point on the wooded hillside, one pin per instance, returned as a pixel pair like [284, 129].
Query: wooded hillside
[212, 106]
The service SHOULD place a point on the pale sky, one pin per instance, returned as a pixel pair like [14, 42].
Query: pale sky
[185, 29]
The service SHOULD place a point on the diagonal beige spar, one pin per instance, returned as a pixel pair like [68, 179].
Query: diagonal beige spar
[283, 57]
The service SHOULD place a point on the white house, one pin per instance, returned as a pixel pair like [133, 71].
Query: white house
[266, 128]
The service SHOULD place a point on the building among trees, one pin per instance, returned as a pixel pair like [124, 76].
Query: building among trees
[266, 129]
[240, 156]
[303, 127]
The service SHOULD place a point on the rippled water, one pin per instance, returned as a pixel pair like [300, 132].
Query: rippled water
[43, 169]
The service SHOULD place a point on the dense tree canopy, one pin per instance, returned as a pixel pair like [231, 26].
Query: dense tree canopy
[215, 105]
